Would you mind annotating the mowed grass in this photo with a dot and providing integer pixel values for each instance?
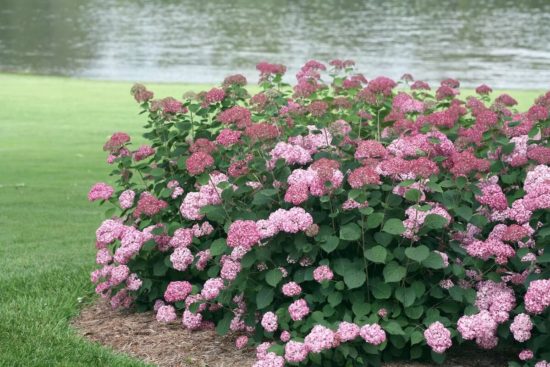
(51, 134)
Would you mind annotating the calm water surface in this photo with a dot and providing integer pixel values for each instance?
(502, 43)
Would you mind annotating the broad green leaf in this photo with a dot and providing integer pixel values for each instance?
(394, 226)
(361, 308)
(375, 219)
(376, 254)
(380, 290)
(350, 232)
(393, 272)
(434, 221)
(264, 297)
(273, 277)
(355, 277)
(330, 243)
(218, 247)
(393, 328)
(434, 261)
(418, 253)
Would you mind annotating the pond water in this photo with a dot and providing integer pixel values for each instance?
(499, 42)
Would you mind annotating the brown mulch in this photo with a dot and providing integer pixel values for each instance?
(169, 345)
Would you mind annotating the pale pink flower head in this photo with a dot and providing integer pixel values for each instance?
(320, 338)
(100, 191)
(438, 337)
(126, 199)
(296, 352)
(269, 322)
(241, 342)
(166, 314)
(322, 273)
(347, 331)
(298, 309)
(243, 233)
(177, 291)
(291, 289)
(373, 334)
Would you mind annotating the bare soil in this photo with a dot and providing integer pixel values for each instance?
(169, 345)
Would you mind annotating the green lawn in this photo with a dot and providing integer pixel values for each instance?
(51, 134)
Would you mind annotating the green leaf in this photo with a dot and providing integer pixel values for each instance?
(393, 272)
(159, 269)
(273, 277)
(416, 337)
(375, 219)
(464, 212)
(350, 232)
(434, 261)
(405, 295)
(330, 243)
(414, 312)
(393, 328)
(361, 308)
(264, 297)
(418, 254)
(376, 254)
(413, 195)
(544, 258)
(355, 277)
(335, 298)
(223, 325)
(218, 247)
(434, 221)
(394, 226)
(380, 290)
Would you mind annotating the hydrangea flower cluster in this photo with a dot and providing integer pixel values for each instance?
(337, 220)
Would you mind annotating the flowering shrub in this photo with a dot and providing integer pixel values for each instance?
(339, 221)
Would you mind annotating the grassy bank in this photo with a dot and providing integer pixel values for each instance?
(51, 133)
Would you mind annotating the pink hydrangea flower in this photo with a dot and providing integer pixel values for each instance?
(126, 199)
(243, 233)
(166, 314)
(438, 337)
(298, 309)
(191, 321)
(291, 289)
(241, 342)
(181, 258)
(373, 334)
(322, 273)
(177, 291)
(319, 338)
(537, 298)
(211, 288)
(100, 191)
(347, 331)
(269, 322)
(296, 352)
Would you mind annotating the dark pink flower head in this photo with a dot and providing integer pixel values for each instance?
(240, 116)
(243, 233)
(444, 92)
(228, 137)
(213, 96)
(140, 93)
(370, 149)
(198, 162)
(341, 64)
(171, 106)
(177, 291)
(537, 113)
(407, 77)
(149, 205)
(236, 79)
(506, 100)
(539, 154)
(262, 131)
(100, 191)
(143, 152)
(420, 85)
(483, 89)
(451, 83)
(381, 85)
(116, 142)
(317, 108)
(266, 69)
(202, 145)
(315, 65)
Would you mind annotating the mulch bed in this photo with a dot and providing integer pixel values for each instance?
(169, 345)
